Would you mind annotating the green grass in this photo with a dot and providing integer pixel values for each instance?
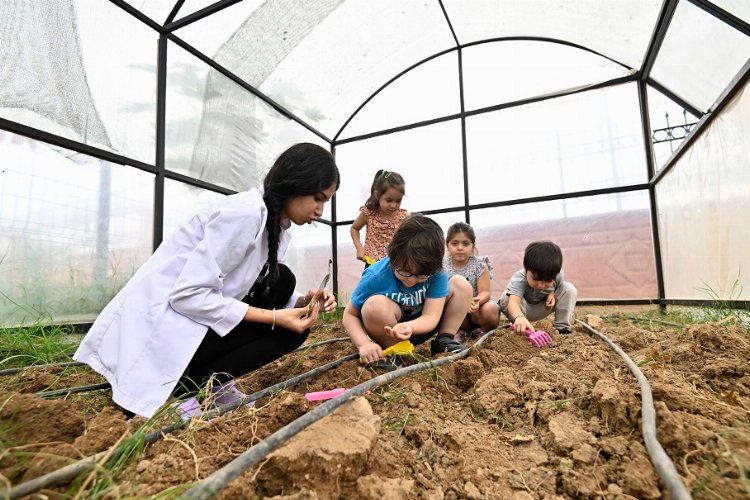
(722, 304)
(389, 393)
(33, 345)
(332, 317)
(398, 424)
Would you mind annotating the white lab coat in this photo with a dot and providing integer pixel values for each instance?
(145, 337)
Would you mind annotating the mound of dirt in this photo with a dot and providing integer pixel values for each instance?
(507, 421)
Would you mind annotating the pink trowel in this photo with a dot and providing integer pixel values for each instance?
(323, 395)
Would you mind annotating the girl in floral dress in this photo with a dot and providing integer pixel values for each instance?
(382, 214)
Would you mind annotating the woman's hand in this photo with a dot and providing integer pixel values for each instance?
(549, 304)
(296, 319)
(327, 302)
(370, 352)
(400, 331)
(325, 299)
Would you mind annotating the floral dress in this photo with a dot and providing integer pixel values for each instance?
(380, 231)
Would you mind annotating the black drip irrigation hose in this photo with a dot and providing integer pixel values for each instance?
(70, 471)
(73, 390)
(220, 478)
(12, 371)
(317, 344)
(662, 463)
(105, 385)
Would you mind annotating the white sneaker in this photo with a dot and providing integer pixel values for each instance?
(227, 393)
(188, 409)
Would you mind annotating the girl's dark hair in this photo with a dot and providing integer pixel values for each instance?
(380, 184)
(303, 169)
(461, 227)
(544, 259)
(418, 241)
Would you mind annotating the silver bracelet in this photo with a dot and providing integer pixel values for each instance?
(273, 325)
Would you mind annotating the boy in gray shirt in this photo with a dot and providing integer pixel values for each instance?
(539, 289)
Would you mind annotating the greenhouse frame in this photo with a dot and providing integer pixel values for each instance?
(618, 129)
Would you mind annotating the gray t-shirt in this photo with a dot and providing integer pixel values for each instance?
(518, 285)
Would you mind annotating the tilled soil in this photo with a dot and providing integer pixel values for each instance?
(507, 421)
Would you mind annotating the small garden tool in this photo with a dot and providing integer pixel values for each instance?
(319, 292)
(538, 338)
(403, 347)
(323, 395)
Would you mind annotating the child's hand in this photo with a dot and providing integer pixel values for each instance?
(521, 325)
(296, 319)
(401, 331)
(370, 352)
(361, 254)
(474, 305)
(549, 304)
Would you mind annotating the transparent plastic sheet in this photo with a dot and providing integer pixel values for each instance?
(48, 90)
(702, 207)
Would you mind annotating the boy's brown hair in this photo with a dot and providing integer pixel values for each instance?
(418, 243)
(544, 259)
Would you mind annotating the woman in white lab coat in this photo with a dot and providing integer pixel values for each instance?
(215, 300)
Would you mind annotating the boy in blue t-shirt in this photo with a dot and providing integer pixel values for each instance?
(407, 295)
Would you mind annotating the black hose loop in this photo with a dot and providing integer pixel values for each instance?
(220, 478)
(662, 463)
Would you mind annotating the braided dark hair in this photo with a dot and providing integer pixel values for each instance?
(303, 169)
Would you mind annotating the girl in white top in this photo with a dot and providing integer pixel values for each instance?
(482, 314)
(215, 300)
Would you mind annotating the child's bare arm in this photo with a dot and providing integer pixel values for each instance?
(430, 317)
(520, 323)
(357, 225)
(483, 287)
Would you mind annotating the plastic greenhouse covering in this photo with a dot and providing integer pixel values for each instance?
(618, 129)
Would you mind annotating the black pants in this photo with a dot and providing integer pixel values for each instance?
(248, 346)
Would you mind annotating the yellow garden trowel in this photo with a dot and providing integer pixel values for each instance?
(403, 347)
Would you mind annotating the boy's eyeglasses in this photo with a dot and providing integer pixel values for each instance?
(407, 274)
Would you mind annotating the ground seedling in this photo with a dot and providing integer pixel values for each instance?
(397, 425)
(389, 393)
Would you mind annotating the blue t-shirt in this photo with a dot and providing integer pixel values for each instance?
(378, 279)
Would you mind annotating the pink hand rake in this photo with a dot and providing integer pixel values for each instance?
(538, 338)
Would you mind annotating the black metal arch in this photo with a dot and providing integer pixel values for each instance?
(641, 75)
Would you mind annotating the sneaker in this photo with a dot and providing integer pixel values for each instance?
(228, 393)
(460, 337)
(390, 363)
(445, 342)
(188, 409)
(564, 331)
(475, 333)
